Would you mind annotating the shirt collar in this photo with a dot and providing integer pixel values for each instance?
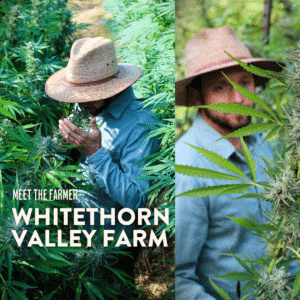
(117, 107)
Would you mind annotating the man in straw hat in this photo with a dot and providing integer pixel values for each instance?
(111, 155)
(204, 233)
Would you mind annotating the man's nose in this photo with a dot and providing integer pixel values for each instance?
(240, 99)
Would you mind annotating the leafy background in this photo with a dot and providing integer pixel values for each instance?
(36, 36)
(245, 18)
(277, 113)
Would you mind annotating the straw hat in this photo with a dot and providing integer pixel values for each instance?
(205, 52)
(93, 73)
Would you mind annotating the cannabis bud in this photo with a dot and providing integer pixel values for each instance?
(273, 286)
(80, 117)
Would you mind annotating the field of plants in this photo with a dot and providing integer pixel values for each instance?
(276, 113)
(36, 36)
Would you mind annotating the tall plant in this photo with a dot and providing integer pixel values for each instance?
(268, 277)
(146, 31)
(36, 36)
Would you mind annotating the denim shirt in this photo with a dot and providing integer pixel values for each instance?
(114, 168)
(204, 233)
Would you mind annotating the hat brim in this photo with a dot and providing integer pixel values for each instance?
(57, 87)
(181, 97)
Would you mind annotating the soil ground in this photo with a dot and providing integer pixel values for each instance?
(154, 268)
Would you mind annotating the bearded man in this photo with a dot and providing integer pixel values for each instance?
(113, 148)
(204, 233)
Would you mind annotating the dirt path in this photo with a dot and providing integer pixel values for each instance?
(91, 13)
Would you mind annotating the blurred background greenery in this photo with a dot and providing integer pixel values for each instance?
(245, 18)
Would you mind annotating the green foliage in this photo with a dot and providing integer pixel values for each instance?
(36, 36)
(146, 31)
(245, 18)
(146, 35)
(269, 276)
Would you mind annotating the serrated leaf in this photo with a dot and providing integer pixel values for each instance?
(22, 284)
(205, 173)
(94, 289)
(2, 255)
(209, 191)
(232, 108)
(250, 161)
(235, 189)
(249, 196)
(248, 286)
(272, 133)
(72, 250)
(219, 161)
(49, 296)
(9, 264)
(276, 88)
(43, 267)
(248, 130)
(78, 291)
(54, 180)
(25, 270)
(252, 97)
(278, 106)
(241, 262)
(244, 222)
(296, 286)
(120, 274)
(19, 294)
(252, 226)
(8, 102)
(6, 113)
(220, 291)
(4, 294)
(91, 295)
(236, 276)
(252, 69)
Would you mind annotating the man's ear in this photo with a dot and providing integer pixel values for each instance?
(194, 96)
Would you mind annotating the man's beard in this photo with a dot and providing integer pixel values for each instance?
(94, 112)
(224, 122)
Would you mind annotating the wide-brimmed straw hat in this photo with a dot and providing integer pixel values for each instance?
(93, 73)
(205, 53)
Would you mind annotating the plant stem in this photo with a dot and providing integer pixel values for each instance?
(278, 248)
(259, 186)
(293, 250)
(252, 294)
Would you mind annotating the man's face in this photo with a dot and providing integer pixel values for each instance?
(215, 88)
(96, 107)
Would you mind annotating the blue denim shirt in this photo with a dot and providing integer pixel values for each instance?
(203, 231)
(114, 168)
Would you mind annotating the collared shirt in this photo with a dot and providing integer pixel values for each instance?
(204, 233)
(114, 169)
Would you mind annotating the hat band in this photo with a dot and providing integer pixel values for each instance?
(217, 63)
(94, 82)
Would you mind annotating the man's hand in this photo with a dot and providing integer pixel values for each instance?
(88, 142)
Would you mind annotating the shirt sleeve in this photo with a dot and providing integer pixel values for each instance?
(122, 183)
(192, 221)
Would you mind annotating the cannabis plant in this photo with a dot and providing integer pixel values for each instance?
(146, 31)
(268, 277)
(152, 49)
(36, 36)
